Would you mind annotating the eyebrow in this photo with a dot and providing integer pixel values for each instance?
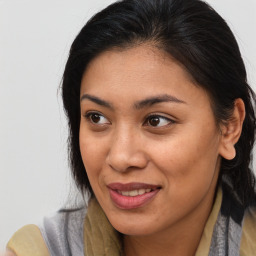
(139, 104)
(96, 100)
(157, 99)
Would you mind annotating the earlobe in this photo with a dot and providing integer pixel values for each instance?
(228, 151)
(231, 131)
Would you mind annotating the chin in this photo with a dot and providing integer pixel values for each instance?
(131, 227)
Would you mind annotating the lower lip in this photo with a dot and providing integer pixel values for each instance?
(132, 202)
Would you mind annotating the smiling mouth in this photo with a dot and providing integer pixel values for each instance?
(132, 195)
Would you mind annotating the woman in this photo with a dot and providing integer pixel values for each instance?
(162, 127)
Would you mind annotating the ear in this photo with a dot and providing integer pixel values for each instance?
(231, 131)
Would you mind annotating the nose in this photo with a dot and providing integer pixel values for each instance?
(126, 151)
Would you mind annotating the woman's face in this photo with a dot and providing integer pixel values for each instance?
(149, 141)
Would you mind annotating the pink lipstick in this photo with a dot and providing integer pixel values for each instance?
(132, 195)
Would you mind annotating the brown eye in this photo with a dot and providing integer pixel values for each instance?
(95, 118)
(158, 121)
(154, 121)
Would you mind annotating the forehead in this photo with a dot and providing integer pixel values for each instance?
(140, 71)
(142, 58)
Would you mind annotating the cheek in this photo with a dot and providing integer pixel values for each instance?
(190, 167)
(189, 155)
(92, 156)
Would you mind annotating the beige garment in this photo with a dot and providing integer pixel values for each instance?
(204, 245)
(28, 241)
(101, 239)
(248, 242)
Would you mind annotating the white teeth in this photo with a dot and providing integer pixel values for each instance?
(141, 191)
(125, 193)
(134, 192)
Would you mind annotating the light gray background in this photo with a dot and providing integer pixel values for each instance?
(35, 37)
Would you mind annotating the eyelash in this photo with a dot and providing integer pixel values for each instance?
(169, 121)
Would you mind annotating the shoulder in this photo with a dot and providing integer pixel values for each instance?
(248, 242)
(59, 234)
(28, 241)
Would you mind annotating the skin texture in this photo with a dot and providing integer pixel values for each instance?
(180, 152)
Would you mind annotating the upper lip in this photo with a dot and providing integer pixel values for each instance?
(131, 186)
